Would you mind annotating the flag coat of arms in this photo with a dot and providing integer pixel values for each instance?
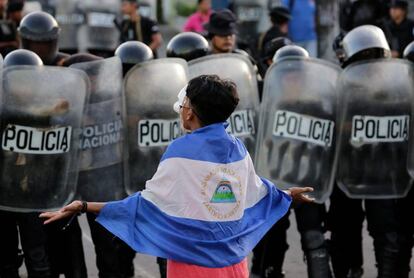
(205, 205)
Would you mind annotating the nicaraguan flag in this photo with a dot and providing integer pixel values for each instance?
(205, 204)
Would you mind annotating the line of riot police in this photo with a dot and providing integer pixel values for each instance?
(317, 126)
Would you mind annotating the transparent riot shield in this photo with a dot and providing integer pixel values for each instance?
(102, 165)
(70, 18)
(41, 113)
(151, 90)
(243, 122)
(99, 31)
(375, 115)
(296, 134)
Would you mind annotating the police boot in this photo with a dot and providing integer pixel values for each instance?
(316, 254)
(404, 256)
(386, 252)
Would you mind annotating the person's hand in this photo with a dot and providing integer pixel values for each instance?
(69, 210)
(298, 194)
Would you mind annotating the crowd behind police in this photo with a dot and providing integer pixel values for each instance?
(51, 251)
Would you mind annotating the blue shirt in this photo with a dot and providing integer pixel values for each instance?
(302, 25)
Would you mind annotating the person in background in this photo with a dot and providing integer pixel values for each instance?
(398, 28)
(195, 23)
(269, 50)
(279, 16)
(302, 26)
(15, 11)
(354, 13)
(9, 39)
(3, 8)
(222, 32)
(135, 27)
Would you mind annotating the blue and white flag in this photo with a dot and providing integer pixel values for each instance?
(205, 204)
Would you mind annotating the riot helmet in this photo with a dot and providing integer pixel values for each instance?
(39, 26)
(188, 46)
(22, 57)
(132, 53)
(40, 32)
(274, 45)
(288, 51)
(363, 43)
(409, 52)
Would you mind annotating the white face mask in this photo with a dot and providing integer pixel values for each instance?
(180, 101)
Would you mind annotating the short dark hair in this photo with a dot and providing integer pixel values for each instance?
(213, 99)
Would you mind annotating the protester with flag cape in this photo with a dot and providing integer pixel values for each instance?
(205, 208)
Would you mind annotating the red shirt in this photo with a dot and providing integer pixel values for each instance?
(179, 270)
(195, 22)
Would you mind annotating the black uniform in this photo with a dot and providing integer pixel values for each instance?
(8, 37)
(272, 33)
(142, 30)
(398, 36)
(361, 12)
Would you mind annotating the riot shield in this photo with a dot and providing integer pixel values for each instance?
(236, 67)
(41, 113)
(151, 90)
(99, 31)
(375, 98)
(70, 18)
(102, 152)
(295, 143)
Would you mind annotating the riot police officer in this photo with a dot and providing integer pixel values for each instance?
(101, 165)
(39, 32)
(188, 46)
(132, 53)
(290, 159)
(362, 171)
(398, 29)
(31, 230)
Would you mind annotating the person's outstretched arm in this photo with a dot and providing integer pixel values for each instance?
(71, 209)
(298, 194)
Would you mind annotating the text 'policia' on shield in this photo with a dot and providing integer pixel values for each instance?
(371, 129)
(304, 128)
(23, 139)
